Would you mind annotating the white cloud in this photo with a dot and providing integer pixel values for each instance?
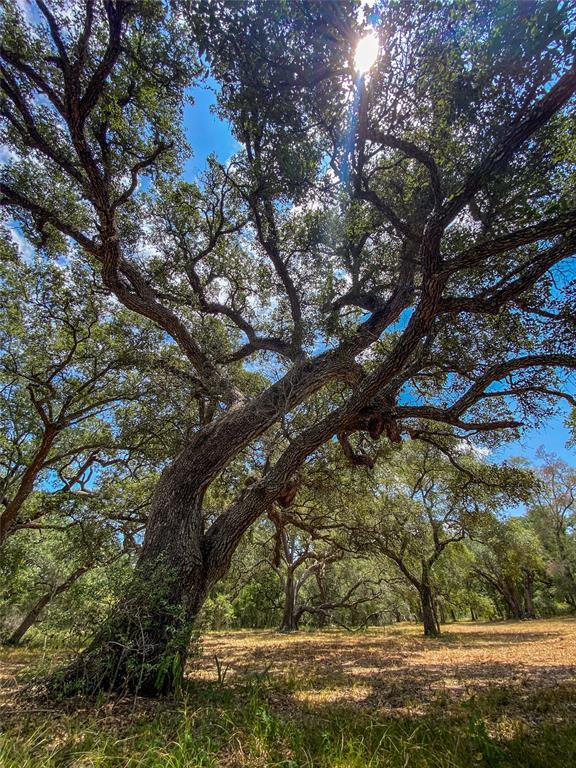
(467, 448)
(6, 154)
(25, 249)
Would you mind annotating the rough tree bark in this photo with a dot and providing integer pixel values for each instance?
(290, 616)
(143, 645)
(429, 620)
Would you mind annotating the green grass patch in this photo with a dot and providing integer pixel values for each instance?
(255, 723)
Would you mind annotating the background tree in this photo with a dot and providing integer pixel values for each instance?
(425, 229)
(455, 595)
(510, 561)
(75, 403)
(296, 557)
(41, 566)
(425, 501)
(303, 554)
(553, 517)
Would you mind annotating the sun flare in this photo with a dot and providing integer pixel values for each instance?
(366, 53)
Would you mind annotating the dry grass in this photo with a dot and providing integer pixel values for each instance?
(399, 670)
(492, 695)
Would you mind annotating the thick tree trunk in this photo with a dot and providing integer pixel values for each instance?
(513, 602)
(35, 612)
(529, 610)
(290, 615)
(143, 645)
(429, 621)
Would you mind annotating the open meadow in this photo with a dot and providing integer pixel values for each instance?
(494, 695)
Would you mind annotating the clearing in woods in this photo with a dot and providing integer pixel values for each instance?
(483, 694)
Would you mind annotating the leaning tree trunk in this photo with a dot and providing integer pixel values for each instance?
(29, 620)
(35, 612)
(429, 621)
(290, 616)
(143, 645)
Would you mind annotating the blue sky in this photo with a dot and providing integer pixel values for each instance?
(553, 437)
(205, 131)
(208, 134)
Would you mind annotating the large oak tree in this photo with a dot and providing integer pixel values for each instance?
(388, 249)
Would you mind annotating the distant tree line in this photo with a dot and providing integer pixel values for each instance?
(422, 538)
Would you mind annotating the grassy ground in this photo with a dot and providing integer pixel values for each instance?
(497, 695)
